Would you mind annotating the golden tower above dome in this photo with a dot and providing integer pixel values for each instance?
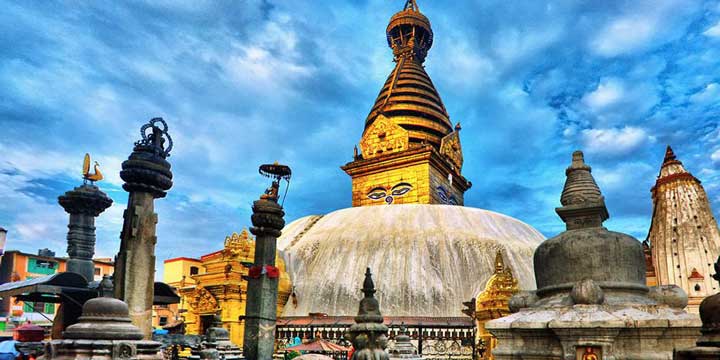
(410, 152)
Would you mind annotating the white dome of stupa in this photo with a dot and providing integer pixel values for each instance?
(425, 259)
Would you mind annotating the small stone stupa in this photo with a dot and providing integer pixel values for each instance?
(368, 335)
(219, 337)
(708, 345)
(591, 300)
(404, 348)
(103, 332)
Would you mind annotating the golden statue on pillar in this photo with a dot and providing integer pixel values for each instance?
(96, 176)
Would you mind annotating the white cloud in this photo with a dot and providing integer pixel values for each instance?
(624, 35)
(616, 101)
(715, 157)
(711, 93)
(614, 141)
(640, 26)
(513, 44)
(713, 31)
(608, 92)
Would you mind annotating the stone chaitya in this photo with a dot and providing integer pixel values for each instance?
(368, 335)
(592, 301)
(683, 239)
(147, 177)
(403, 348)
(103, 332)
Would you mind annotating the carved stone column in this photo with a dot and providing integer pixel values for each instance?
(261, 308)
(83, 203)
(147, 177)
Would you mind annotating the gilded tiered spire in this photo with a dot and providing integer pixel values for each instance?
(410, 152)
(409, 97)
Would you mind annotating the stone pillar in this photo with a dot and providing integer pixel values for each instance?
(83, 203)
(261, 307)
(147, 177)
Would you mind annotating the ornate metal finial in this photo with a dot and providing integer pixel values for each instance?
(409, 34)
(276, 172)
(583, 203)
(92, 177)
(411, 5)
(156, 138)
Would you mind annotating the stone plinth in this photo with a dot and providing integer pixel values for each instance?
(592, 302)
(83, 203)
(147, 176)
(104, 332)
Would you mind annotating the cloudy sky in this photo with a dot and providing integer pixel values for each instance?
(246, 82)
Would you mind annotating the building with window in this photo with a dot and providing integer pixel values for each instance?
(17, 265)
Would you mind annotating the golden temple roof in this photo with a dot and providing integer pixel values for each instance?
(492, 303)
(409, 97)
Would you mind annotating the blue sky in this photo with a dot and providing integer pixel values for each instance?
(246, 82)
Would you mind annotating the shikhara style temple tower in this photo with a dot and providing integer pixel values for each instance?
(410, 152)
(683, 238)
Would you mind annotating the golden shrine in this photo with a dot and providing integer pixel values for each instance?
(214, 284)
(410, 152)
(492, 302)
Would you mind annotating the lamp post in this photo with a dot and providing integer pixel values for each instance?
(261, 308)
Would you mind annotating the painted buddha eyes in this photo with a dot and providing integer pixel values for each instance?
(377, 193)
(446, 197)
(401, 189)
(389, 195)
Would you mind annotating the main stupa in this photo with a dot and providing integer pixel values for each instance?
(408, 223)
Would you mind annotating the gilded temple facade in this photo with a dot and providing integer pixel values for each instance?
(493, 303)
(410, 152)
(683, 240)
(215, 284)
